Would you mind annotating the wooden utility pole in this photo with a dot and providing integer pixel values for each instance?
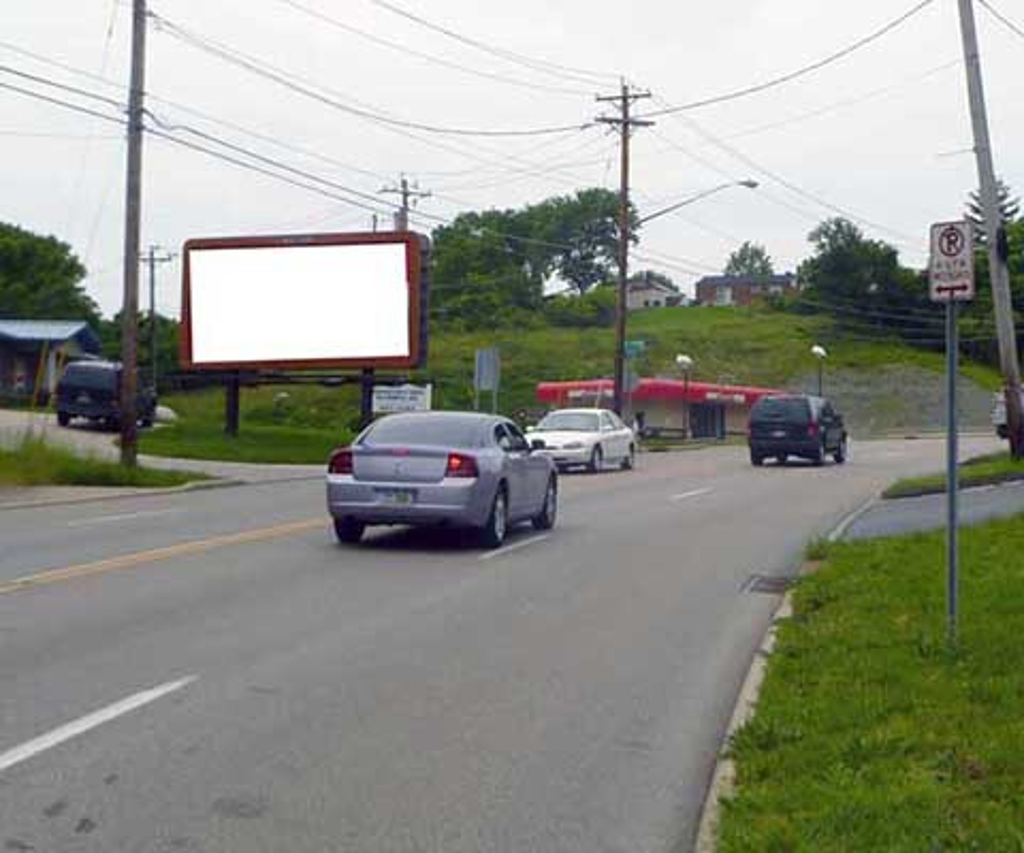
(408, 194)
(133, 211)
(625, 122)
(995, 234)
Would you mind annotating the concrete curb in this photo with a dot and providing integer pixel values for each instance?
(990, 483)
(70, 500)
(723, 779)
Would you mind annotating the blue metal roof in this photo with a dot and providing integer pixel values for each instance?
(51, 331)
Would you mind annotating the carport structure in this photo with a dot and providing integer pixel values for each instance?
(672, 407)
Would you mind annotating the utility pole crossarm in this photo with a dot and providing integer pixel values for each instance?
(408, 195)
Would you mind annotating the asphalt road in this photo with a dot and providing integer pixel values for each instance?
(210, 672)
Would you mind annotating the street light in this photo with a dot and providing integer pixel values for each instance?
(749, 184)
(685, 364)
(820, 353)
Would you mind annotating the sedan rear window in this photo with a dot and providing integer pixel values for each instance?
(788, 409)
(571, 422)
(426, 430)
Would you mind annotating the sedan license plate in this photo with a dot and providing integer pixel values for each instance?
(396, 497)
(779, 433)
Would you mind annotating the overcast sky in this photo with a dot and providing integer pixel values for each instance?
(880, 134)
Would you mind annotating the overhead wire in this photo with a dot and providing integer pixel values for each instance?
(999, 16)
(543, 66)
(789, 77)
(406, 50)
(277, 75)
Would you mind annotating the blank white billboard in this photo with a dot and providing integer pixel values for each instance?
(298, 303)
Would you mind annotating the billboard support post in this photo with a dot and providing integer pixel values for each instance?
(366, 398)
(232, 401)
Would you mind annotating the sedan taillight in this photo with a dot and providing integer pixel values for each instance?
(461, 467)
(340, 461)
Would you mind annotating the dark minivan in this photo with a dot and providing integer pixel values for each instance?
(92, 389)
(796, 425)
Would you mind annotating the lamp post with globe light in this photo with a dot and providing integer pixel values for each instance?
(820, 353)
(685, 364)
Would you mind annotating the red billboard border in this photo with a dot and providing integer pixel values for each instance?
(414, 280)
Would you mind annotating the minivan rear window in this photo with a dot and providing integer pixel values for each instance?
(91, 377)
(788, 409)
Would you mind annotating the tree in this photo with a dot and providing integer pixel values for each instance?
(1009, 209)
(654, 277)
(40, 278)
(860, 281)
(167, 332)
(750, 259)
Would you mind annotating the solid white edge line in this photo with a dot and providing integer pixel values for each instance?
(518, 546)
(90, 721)
(696, 493)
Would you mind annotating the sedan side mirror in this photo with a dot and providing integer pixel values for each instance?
(537, 444)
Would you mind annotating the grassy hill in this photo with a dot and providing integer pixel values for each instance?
(750, 346)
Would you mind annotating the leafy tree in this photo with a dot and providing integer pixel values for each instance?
(167, 334)
(1009, 209)
(654, 277)
(750, 259)
(40, 278)
(860, 281)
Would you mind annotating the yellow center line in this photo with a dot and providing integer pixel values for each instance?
(139, 558)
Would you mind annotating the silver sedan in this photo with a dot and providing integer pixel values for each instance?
(441, 468)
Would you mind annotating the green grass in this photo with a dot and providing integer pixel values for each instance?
(258, 444)
(981, 471)
(869, 734)
(34, 462)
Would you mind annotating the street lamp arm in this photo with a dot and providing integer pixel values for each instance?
(749, 184)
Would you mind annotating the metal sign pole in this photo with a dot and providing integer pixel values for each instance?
(952, 479)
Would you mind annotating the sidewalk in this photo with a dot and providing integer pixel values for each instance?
(915, 515)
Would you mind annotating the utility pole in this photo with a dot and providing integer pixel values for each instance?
(133, 211)
(1002, 304)
(152, 259)
(408, 193)
(625, 123)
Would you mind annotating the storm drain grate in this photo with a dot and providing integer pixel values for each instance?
(768, 584)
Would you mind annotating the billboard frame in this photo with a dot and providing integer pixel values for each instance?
(417, 266)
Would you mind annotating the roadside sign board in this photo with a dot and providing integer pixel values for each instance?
(951, 270)
(634, 349)
(402, 398)
(487, 375)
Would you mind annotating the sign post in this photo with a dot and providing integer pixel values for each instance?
(951, 277)
(487, 376)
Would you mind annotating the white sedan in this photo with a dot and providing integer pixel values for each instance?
(591, 438)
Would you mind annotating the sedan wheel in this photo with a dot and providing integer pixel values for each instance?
(494, 532)
(596, 460)
(545, 520)
(629, 462)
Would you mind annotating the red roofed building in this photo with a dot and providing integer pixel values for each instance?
(666, 406)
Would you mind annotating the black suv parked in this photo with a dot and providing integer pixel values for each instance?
(796, 425)
(92, 389)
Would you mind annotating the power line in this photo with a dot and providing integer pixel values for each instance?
(67, 104)
(580, 75)
(277, 75)
(43, 81)
(428, 57)
(800, 72)
(790, 185)
(999, 16)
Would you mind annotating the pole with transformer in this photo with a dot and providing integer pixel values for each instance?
(152, 259)
(133, 216)
(408, 193)
(625, 122)
(1002, 304)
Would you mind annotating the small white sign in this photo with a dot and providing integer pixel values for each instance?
(389, 399)
(951, 271)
